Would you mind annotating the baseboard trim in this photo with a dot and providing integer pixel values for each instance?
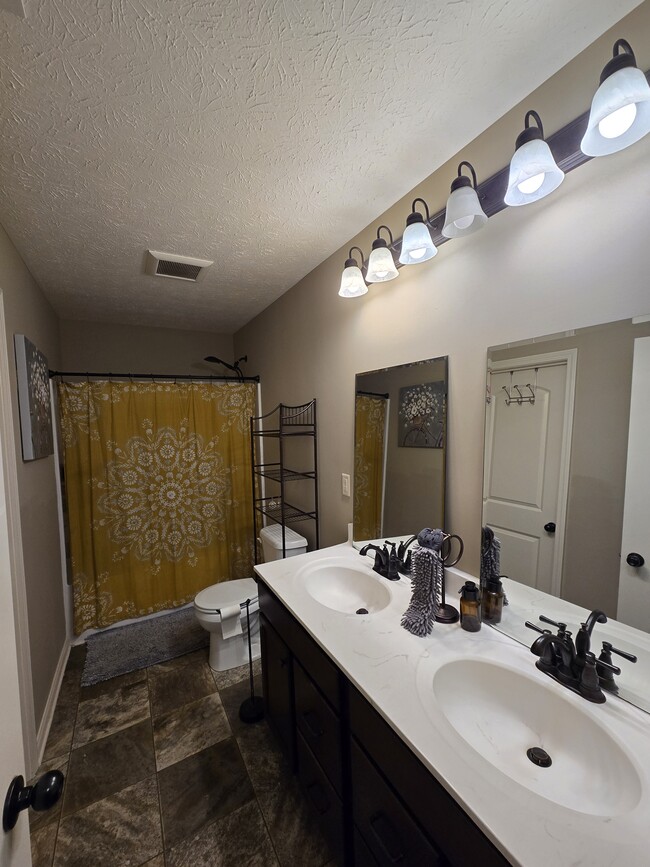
(50, 705)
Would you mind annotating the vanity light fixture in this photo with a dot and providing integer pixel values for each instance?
(464, 214)
(417, 244)
(352, 282)
(620, 116)
(620, 109)
(533, 171)
(381, 266)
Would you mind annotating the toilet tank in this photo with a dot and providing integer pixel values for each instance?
(271, 539)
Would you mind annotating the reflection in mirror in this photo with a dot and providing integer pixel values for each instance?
(399, 449)
(566, 474)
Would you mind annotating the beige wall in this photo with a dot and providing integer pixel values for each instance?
(27, 312)
(601, 418)
(104, 348)
(577, 258)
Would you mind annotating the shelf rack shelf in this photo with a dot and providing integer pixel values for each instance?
(278, 473)
(283, 423)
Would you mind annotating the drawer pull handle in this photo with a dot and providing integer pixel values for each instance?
(318, 798)
(387, 837)
(312, 722)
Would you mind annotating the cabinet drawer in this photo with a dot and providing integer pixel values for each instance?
(450, 828)
(384, 823)
(363, 857)
(277, 681)
(315, 661)
(319, 726)
(274, 611)
(322, 798)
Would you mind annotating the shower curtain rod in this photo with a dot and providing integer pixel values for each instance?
(85, 375)
(373, 394)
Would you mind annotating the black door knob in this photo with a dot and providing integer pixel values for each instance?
(550, 527)
(44, 794)
(635, 560)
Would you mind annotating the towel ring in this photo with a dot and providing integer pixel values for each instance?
(447, 540)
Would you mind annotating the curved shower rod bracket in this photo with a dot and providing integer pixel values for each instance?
(235, 366)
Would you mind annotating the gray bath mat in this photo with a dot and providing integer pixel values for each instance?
(138, 645)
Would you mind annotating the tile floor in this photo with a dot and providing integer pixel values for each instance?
(161, 772)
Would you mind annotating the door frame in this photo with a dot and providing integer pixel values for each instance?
(9, 458)
(568, 357)
(385, 462)
(632, 579)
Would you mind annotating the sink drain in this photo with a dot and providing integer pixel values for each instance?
(361, 611)
(540, 757)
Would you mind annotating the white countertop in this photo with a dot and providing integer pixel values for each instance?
(385, 663)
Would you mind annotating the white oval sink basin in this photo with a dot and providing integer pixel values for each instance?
(501, 713)
(344, 588)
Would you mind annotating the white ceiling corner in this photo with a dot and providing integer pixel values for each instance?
(261, 134)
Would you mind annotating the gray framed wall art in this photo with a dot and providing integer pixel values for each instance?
(33, 374)
(422, 415)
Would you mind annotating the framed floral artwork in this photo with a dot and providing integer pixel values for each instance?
(422, 416)
(33, 375)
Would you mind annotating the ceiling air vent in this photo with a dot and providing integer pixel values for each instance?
(176, 267)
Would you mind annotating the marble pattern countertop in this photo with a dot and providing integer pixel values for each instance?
(386, 664)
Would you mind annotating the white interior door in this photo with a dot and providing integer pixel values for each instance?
(526, 470)
(634, 582)
(14, 846)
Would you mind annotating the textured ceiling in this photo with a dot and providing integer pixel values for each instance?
(262, 134)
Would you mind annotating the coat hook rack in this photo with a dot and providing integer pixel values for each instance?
(520, 397)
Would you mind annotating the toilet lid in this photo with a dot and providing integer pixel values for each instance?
(227, 593)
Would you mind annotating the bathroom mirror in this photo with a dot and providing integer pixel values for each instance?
(400, 449)
(566, 486)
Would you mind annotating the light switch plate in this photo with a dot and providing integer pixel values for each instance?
(345, 484)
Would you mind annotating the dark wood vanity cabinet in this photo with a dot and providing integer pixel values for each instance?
(377, 803)
(319, 726)
(384, 824)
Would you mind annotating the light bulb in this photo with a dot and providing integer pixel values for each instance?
(464, 222)
(534, 173)
(618, 122)
(620, 109)
(531, 185)
(417, 244)
(381, 265)
(352, 282)
(464, 214)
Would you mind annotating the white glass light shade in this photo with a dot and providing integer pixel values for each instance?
(417, 245)
(352, 283)
(381, 266)
(620, 113)
(464, 214)
(532, 159)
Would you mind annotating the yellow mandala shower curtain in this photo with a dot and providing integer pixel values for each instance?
(369, 436)
(159, 493)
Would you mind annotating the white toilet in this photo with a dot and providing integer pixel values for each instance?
(221, 608)
(271, 539)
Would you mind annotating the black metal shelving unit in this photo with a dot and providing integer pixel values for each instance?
(283, 423)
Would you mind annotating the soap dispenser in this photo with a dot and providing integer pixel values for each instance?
(492, 600)
(470, 607)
